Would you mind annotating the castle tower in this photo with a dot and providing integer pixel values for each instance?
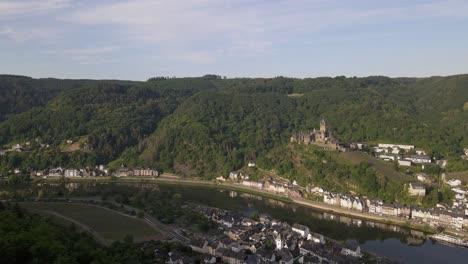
(279, 242)
(323, 126)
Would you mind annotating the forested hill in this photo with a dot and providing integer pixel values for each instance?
(209, 126)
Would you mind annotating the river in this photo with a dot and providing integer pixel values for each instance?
(398, 243)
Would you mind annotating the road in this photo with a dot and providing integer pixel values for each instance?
(172, 178)
(317, 205)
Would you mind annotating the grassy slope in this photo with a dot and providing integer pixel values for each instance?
(110, 225)
(461, 175)
(382, 168)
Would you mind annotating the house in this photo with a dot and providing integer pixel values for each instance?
(70, 173)
(402, 211)
(233, 175)
(104, 169)
(285, 256)
(245, 176)
(387, 157)
(57, 172)
(86, 172)
(123, 172)
(17, 148)
(358, 205)
(420, 152)
(420, 214)
(278, 242)
(389, 209)
(175, 258)
(220, 178)
(266, 255)
(346, 202)
(415, 158)
(251, 164)
(145, 172)
(404, 147)
(316, 238)
(300, 229)
(379, 150)
(277, 188)
(416, 189)
(352, 249)
(454, 182)
(422, 177)
(404, 162)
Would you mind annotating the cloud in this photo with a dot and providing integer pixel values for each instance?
(199, 57)
(175, 22)
(12, 9)
(87, 55)
(27, 34)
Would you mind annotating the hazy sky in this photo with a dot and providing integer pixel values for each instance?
(244, 38)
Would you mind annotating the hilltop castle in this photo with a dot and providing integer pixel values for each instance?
(322, 137)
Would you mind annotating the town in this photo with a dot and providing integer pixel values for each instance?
(451, 217)
(267, 240)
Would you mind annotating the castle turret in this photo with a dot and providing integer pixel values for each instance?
(323, 126)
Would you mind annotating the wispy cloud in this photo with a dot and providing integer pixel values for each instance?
(9, 9)
(213, 33)
(244, 27)
(87, 55)
(21, 34)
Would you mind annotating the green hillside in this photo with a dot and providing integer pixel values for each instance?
(209, 126)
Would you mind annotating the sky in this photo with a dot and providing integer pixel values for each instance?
(139, 39)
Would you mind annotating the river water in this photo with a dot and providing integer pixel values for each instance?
(398, 243)
(394, 242)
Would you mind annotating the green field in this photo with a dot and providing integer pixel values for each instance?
(107, 224)
(382, 167)
(461, 175)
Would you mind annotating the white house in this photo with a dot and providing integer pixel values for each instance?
(454, 182)
(405, 147)
(420, 152)
(416, 189)
(404, 162)
(379, 150)
(251, 164)
(69, 173)
(234, 175)
(352, 250)
(300, 229)
(346, 202)
(220, 178)
(419, 158)
(388, 156)
(317, 238)
(278, 242)
(358, 205)
(422, 177)
(57, 172)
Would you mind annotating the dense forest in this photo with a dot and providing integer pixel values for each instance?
(209, 126)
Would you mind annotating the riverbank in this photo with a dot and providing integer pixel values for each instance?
(174, 180)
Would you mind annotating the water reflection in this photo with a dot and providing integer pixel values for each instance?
(392, 241)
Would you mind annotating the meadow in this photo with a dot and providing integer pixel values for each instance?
(105, 223)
